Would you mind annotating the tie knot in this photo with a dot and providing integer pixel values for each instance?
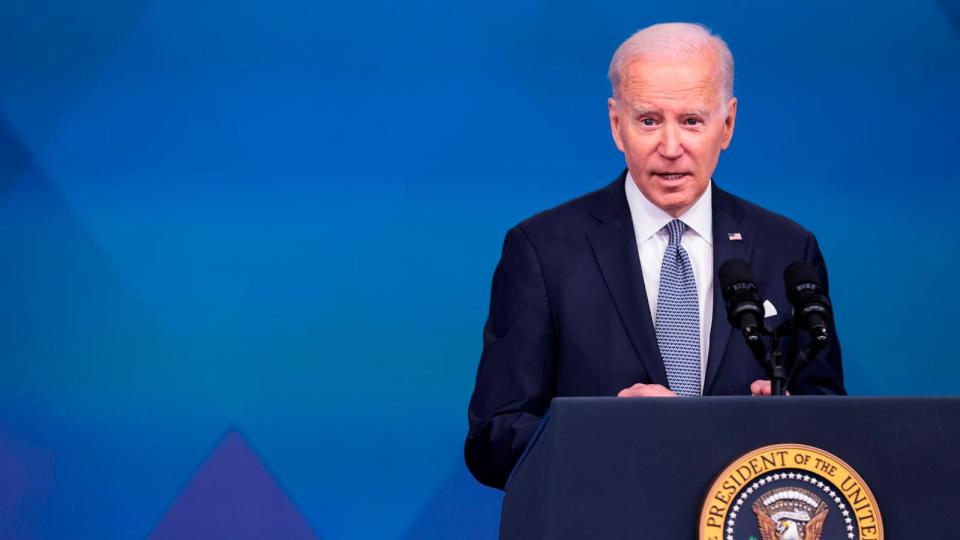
(675, 228)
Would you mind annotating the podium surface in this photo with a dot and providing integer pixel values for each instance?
(641, 468)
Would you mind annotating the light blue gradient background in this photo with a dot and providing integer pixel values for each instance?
(283, 217)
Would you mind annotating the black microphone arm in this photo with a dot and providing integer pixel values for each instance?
(811, 306)
(812, 310)
(744, 304)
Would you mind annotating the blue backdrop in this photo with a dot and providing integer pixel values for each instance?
(270, 227)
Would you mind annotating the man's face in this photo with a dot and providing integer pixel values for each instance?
(668, 121)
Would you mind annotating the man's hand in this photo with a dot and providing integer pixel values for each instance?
(646, 390)
(761, 387)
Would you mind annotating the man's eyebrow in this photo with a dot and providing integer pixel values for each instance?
(641, 110)
(703, 113)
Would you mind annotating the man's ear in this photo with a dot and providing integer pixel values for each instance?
(728, 123)
(614, 122)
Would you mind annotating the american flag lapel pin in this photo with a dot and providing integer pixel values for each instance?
(734, 236)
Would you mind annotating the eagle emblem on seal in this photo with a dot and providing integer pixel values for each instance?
(790, 513)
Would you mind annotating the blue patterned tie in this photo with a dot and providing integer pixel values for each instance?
(678, 316)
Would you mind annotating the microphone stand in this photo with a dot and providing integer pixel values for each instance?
(774, 361)
(778, 368)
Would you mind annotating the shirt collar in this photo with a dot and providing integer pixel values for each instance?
(648, 218)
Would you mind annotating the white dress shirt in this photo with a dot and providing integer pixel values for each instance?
(652, 239)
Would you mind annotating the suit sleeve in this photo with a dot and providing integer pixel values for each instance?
(825, 374)
(515, 378)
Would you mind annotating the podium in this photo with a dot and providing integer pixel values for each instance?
(611, 468)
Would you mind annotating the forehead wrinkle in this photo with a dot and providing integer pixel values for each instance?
(637, 82)
(640, 84)
(638, 87)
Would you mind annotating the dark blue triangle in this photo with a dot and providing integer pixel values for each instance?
(233, 497)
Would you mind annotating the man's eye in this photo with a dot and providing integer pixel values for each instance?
(648, 122)
(692, 121)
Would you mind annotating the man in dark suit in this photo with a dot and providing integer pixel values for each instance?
(613, 294)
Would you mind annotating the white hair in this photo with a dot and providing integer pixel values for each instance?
(670, 41)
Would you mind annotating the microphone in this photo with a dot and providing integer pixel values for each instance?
(811, 306)
(742, 298)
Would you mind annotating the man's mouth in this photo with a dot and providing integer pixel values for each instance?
(671, 175)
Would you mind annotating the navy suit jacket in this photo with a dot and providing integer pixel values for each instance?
(569, 317)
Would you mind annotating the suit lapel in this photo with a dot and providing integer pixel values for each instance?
(729, 217)
(615, 248)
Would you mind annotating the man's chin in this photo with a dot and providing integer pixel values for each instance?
(674, 203)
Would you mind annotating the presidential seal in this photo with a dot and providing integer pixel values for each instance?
(789, 492)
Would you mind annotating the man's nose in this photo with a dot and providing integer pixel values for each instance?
(670, 145)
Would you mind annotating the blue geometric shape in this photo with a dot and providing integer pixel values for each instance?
(952, 10)
(14, 157)
(461, 508)
(74, 39)
(233, 497)
(27, 478)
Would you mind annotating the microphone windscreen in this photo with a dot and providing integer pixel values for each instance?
(800, 272)
(734, 271)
